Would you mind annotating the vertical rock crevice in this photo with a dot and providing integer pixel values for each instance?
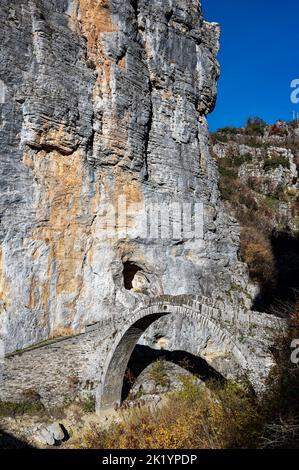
(134, 4)
(147, 136)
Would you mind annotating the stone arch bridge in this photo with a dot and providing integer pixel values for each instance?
(94, 362)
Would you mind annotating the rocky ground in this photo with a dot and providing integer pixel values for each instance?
(64, 427)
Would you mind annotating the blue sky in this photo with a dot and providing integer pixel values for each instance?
(259, 58)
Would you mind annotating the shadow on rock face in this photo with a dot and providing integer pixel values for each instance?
(285, 248)
(7, 441)
(143, 356)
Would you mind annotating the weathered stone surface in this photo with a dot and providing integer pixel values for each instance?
(49, 435)
(236, 343)
(56, 430)
(102, 99)
(269, 167)
(44, 436)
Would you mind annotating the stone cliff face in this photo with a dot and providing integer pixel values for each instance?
(259, 182)
(102, 99)
(267, 164)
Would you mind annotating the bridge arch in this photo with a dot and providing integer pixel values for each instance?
(109, 391)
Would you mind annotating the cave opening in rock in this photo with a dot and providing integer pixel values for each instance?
(129, 272)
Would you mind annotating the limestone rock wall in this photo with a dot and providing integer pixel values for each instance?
(266, 163)
(102, 99)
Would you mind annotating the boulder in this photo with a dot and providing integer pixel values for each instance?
(50, 435)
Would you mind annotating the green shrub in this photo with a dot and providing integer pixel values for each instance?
(88, 404)
(158, 373)
(254, 142)
(271, 163)
(224, 135)
(245, 158)
(227, 170)
(271, 203)
(255, 126)
(12, 409)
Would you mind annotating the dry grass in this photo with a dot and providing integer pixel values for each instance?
(257, 253)
(192, 418)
